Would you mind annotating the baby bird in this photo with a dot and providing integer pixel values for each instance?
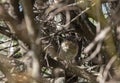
(68, 51)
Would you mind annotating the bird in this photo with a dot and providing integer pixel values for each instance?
(68, 51)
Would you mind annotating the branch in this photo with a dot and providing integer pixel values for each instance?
(14, 10)
(16, 76)
(109, 42)
(16, 27)
(35, 51)
(6, 33)
(30, 24)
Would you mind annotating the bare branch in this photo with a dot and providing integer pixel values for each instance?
(30, 24)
